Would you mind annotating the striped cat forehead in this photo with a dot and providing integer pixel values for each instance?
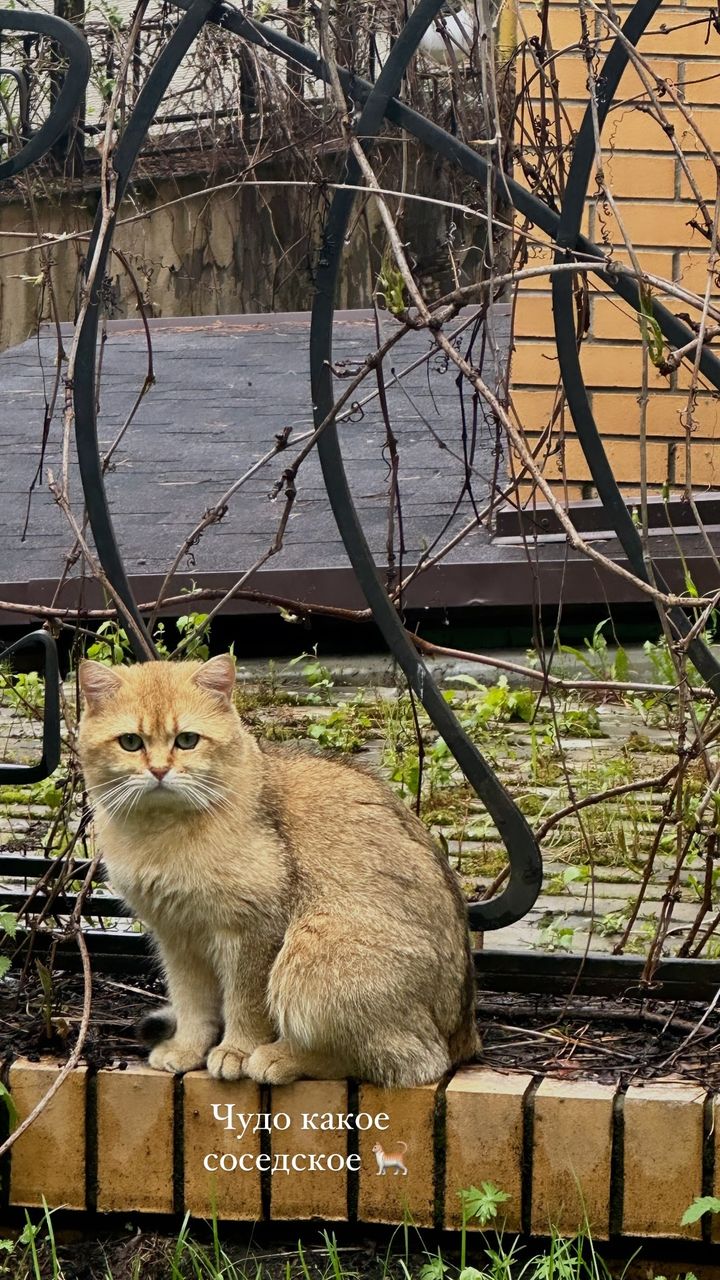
(161, 725)
(162, 720)
(160, 689)
(153, 724)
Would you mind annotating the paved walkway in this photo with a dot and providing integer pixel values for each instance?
(613, 840)
(225, 388)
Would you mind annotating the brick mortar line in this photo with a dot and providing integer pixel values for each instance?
(91, 1139)
(440, 1151)
(617, 1164)
(266, 1150)
(528, 1144)
(178, 1144)
(708, 1162)
(353, 1148)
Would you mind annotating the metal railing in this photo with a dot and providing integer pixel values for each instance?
(215, 84)
(378, 102)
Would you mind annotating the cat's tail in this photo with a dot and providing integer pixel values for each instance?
(156, 1026)
(402, 1144)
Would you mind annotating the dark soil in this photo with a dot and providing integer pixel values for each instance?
(610, 1040)
(602, 1039)
(98, 1249)
(127, 1252)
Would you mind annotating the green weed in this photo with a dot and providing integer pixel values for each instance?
(601, 662)
(24, 691)
(490, 1253)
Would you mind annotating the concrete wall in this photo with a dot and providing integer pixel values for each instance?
(249, 249)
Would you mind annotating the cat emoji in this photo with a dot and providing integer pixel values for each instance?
(391, 1159)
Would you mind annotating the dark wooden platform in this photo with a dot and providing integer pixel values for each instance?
(224, 388)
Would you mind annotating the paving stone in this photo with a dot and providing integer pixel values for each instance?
(393, 1196)
(48, 1160)
(572, 1148)
(484, 1139)
(135, 1140)
(663, 1143)
(613, 885)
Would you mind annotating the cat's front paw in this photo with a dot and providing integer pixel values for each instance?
(274, 1064)
(228, 1061)
(177, 1056)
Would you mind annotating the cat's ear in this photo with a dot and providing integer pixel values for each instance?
(218, 676)
(97, 682)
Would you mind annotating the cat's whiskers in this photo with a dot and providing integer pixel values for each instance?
(108, 786)
(196, 790)
(121, 804)
(203, 793)
(196, 797)
(135, 799)
(114, 799)
(124, 795)
(107, 792)
(217, 791)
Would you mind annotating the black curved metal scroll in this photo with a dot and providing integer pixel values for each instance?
(525, 860)
(84, 396)
(20, 774)
(75, 46)
(381, 103)
(73, 87)
(569, 358)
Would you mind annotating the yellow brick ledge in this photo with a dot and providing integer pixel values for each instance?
(128, 1139)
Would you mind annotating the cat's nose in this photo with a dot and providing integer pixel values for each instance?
(159, 773)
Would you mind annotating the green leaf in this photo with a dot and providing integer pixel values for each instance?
(4, 965)
(574, 873)
(433, 1270)
(7, 1100)
(649, 328)
(482, 1203)
(475, 684)
(8, 922)
(29, 1232)
(572, 652)
(391, 287)
(699, 1206)
(523, 704)
(46, 981)
(622, 665)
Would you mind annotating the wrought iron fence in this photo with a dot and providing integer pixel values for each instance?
(375, 103)
(218, 86)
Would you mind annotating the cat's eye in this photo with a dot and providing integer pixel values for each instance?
(186, 741)
(130, 741)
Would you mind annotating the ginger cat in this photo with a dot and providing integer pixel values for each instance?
(391, 1159)
(306, 922)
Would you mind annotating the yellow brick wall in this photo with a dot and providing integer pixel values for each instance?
(655, 205)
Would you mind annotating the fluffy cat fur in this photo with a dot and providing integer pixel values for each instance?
(306, 922)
